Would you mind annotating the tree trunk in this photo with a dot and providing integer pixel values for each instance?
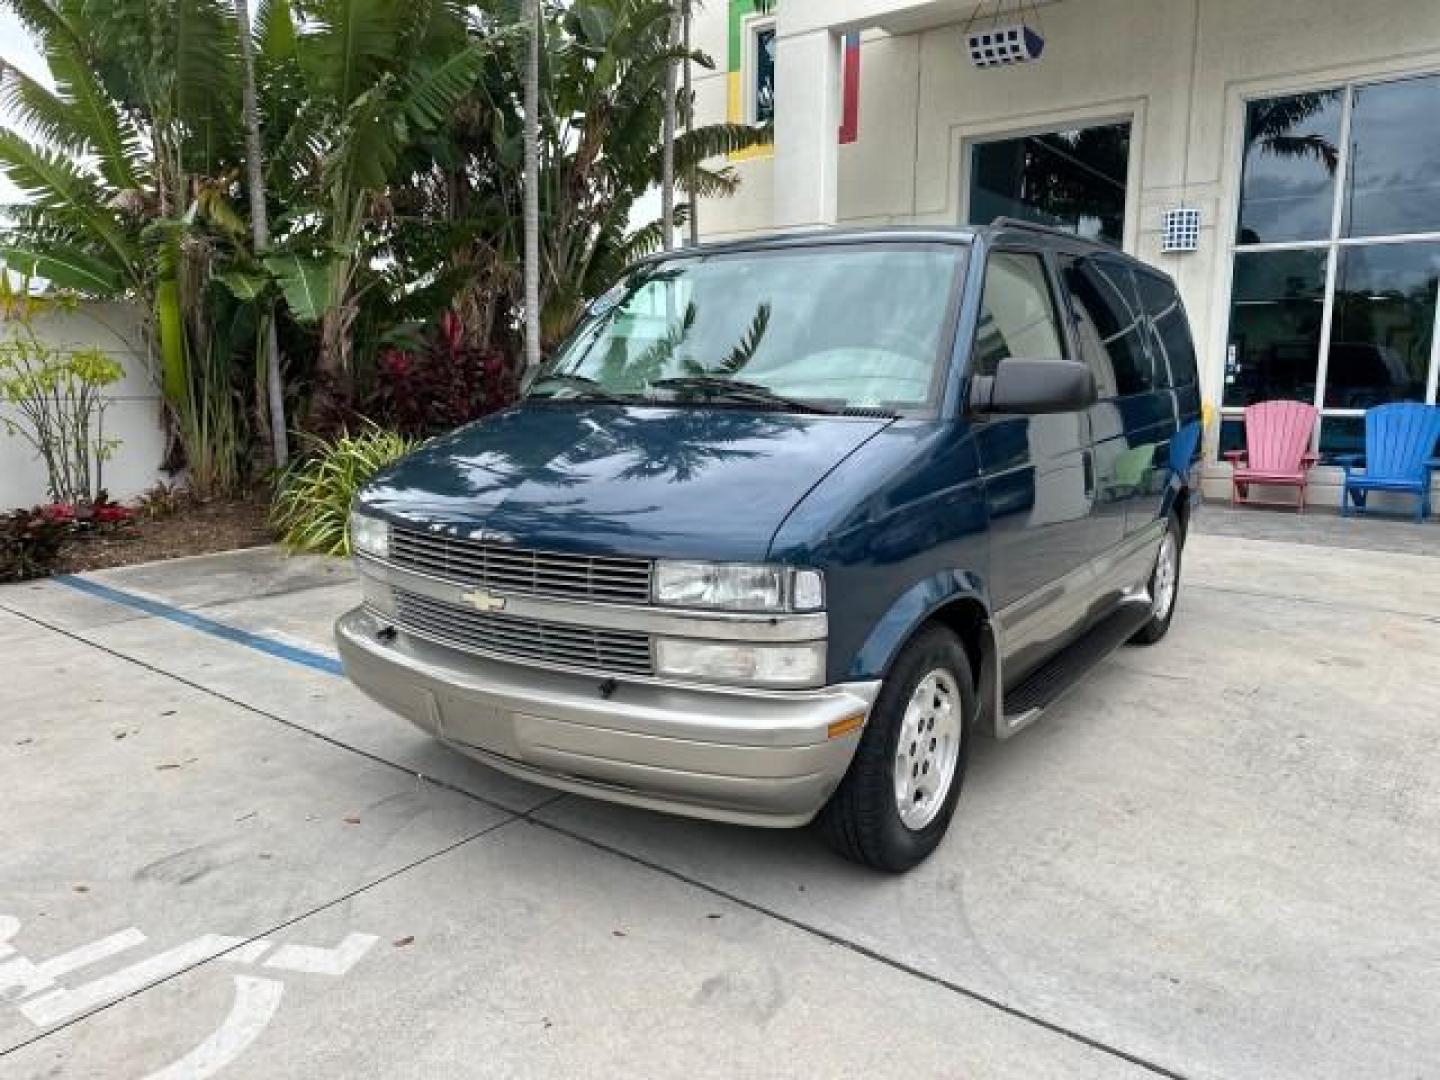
(170, 333)
(532, 192)
(667, 139)
(694, 223)
(260, 233)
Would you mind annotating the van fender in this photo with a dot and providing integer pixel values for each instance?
(911, 610)
(908, 613)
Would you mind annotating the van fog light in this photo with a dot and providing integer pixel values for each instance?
(761, 665)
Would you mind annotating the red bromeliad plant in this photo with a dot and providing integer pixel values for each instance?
(30, 543)
(101, 511)
(449, 383)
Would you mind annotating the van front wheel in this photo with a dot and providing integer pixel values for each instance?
(896, 800)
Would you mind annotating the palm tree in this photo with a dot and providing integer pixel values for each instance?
(260, 235)
(380, 75)
(419, 161)
(667, 140)
(600, 148)
(532, 189)
(120, 162)
(693, 221)
(603, 147)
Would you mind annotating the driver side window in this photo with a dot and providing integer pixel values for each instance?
(1017, 313)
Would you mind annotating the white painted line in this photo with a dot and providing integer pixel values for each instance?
(315, 961)
(92, 953)
(22, 978)
(248, 953)
(255, 1003)
(62, 1004)
(9, 927)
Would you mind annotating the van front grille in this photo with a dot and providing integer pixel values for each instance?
(521, 571)
(620, 651)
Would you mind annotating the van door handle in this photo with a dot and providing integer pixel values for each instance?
(1089, 459)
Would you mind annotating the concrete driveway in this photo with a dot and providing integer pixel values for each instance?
(1218, 858)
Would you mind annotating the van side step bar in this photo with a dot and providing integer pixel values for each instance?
(1027, 701)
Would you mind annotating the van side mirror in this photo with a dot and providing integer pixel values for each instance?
(1034, 386)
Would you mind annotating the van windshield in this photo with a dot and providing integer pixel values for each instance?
(825, 328)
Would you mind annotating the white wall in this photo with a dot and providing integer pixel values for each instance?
(132, 415)
(1179, 69)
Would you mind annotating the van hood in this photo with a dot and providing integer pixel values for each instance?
(711, 483)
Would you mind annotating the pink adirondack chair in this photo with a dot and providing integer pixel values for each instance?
(1277, 450)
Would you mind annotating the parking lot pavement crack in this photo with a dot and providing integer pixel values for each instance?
(247, 943)
(894, 963)
(1339, 605)
(266, 594)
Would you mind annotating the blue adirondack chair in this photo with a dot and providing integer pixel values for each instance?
(1399, 455)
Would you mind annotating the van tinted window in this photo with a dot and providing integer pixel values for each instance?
(1110, 324)
(1017, 313)
(1170, 340)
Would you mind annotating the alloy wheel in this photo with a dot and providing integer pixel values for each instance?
(928, 749)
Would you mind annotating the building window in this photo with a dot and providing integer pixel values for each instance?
(1073, 179)
(1336, 256)
(762, 73)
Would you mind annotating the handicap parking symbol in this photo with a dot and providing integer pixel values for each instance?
(45, 994)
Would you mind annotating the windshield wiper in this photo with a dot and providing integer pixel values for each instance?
(587, 387)
(737, 390)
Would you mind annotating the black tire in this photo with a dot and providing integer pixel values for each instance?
(1159, 624)
(862, 820)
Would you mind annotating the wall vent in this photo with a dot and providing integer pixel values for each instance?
(1181, 230)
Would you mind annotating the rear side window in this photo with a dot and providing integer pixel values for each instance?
(1110, 324)
(1170, 340)
(1017, 313)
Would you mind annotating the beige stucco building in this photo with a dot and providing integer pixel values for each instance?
(1306, 133)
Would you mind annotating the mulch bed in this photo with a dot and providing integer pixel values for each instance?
(194, 529)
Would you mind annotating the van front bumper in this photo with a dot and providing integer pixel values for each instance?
(752, 757)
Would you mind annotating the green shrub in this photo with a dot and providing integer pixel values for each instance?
(161, 501)
(312, 507)
(56, 405)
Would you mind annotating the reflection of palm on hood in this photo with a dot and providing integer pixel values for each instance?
(710, 483)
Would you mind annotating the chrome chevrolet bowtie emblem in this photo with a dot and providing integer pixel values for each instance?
(484, 600)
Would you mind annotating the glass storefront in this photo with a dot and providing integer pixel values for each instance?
(1336, 255)
(1072, 179)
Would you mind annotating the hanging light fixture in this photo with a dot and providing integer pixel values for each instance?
(1002, 45)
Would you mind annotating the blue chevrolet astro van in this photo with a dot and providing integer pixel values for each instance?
(789, 522)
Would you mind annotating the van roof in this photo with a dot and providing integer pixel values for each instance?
(1000, 229)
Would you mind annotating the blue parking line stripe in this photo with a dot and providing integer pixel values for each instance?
(259, 642)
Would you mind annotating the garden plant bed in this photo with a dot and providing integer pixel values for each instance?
(195, 528)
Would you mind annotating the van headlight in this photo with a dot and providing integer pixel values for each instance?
(752, 665)
(369, 535)
(738, 586)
